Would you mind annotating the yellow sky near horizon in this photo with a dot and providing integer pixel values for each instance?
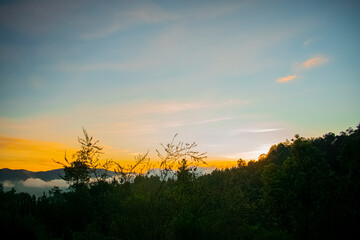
(32, 155)
(17, 153)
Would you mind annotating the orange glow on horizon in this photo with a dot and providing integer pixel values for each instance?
(32, 155)
(17, 153)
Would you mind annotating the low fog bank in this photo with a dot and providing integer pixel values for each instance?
(38, 186)
(34, 186)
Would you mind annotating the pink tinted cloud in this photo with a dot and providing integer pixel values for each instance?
(286, 79)
(315, 61)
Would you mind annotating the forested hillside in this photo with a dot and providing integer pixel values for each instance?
(302, 189)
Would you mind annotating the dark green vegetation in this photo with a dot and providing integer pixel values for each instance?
(302, 189)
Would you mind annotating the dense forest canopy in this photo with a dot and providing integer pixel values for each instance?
(301, 189)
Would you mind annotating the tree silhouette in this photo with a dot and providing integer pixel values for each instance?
(128, 173)
(86, 163)
(176, 154)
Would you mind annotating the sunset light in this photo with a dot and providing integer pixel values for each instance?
(167, 119)
(233, 76)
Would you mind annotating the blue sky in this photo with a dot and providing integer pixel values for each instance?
(234, 76)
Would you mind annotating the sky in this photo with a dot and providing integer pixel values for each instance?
(233, 76)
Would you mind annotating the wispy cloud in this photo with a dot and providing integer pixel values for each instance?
(214, 10)
(308, 42)
(302, 66)
(312, 62)
(123, 128)
(106, 66)
(173, 107)
(286, 79)
(263, 148)
(158, 116)
(127, 18)
(213, 120)
(173, 124)
(150, 13)
(175, 47)
(315, 61)
(253, 154)
(178, 106)
(38, 17)
(265, 130)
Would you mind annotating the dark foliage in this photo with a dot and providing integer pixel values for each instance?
(301, 189)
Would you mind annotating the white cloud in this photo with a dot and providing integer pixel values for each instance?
(213, 120)
(253, 154)
(8, 184)
(38, 183)
(263, 148)
(265, 130)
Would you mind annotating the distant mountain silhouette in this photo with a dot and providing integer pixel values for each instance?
(21, 175)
